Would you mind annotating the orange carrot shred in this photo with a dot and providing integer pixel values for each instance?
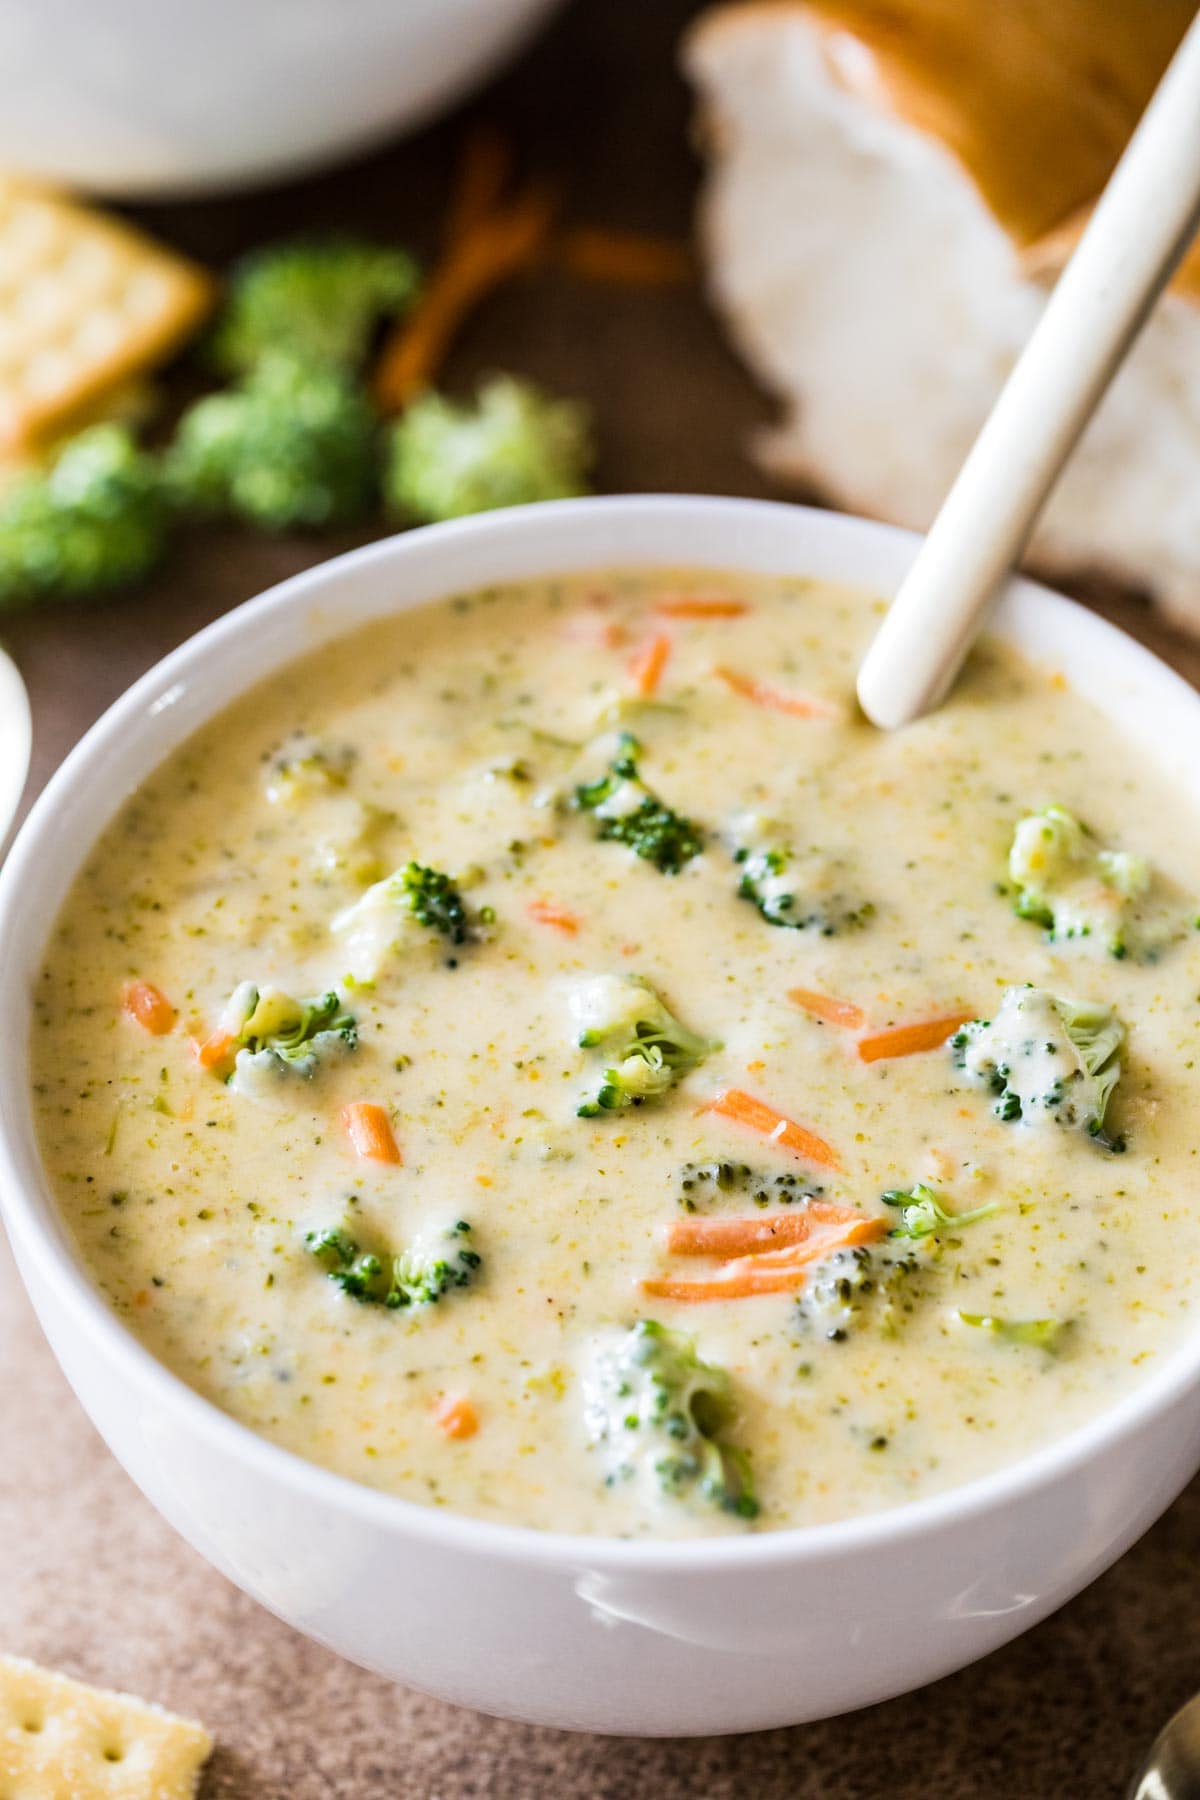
(825, 1006)
(456, 1416)
(632, 258)
(800, 706)
(744, 1109)
(779, 1271)
(493, 248)
(211, 1052)
(149, 1006)
(549, 912)
(711, 1236)
(699, 606)
(480, 179)
(370, 1131)
(910, 1040)
(646, 665)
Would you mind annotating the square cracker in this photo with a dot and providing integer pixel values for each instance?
(85, 301)
(61, 1740)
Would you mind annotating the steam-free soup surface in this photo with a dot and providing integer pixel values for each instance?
(442, 1291)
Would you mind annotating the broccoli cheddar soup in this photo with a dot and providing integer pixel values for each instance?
(545, 1056)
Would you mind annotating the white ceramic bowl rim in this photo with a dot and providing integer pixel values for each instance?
(29, 1206)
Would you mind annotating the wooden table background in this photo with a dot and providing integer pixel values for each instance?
(93, 1580)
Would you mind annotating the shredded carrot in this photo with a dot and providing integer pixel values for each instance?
(825, 1006)
(910, 1040)
(699, 606)
(549, 912)
(646, 665)
(633, 258)
(456, 1416)
(493, 248)
(211, 1052)
(744, 1109)
(768, 1271)
(483, 171)
(746, 1236)
(149, 1006)
(370, 1131)
(800, 706)
(599, 634)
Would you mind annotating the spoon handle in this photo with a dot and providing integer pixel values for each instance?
(1140, 230)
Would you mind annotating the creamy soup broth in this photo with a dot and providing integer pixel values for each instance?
(461, 736)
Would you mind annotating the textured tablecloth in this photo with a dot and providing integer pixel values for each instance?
(93, 1581)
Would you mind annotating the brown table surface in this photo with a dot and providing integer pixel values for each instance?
(94, 1581)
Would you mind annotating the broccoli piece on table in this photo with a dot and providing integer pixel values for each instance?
(515, 445)
(1047, 1059)
(627, 812)
(382, 918)
(622, 1016)
(857, 1286)
(800, 897)
(272, 1035)
(318, 299)
(292, 447)
(419, 1276)
(658, 1416)
(96, 519)
(922, 1214)
(1068, 884)
(1042, 1334)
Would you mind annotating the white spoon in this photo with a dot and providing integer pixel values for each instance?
(1141, 227)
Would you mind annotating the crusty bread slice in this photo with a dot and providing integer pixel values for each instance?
(881, 274)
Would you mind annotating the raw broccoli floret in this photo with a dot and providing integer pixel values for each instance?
(515, 445)
(275, 1035)
(627, 812)
(922, 1214)
(623, 1017)
(1043, 1334)
(856, 1286)
(418, 1276)
(1067, 883)
(96, 519)
(319, 299)
(291, 447)
(803, 898)
(377, 923)
(657, 1415)
(1047, 1059)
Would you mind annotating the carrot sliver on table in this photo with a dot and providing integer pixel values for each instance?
(149, 1006)
(646, 665)
(910, 1040)
(758, 1115)
(549, 912)
(829, 1008)
(369, 1129)
(700, 606)
(762, 693)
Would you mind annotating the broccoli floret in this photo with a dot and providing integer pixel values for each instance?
(801, 898)
(277, 1036)
(319, 299)
(627, 812)
(1044, 1334)
(418, 1276)
(657, 1415)
(858, 1286)
(95, 520)
(515, 445)
(292, 447)
(304, 765)
(377, 923)
(622, 1016)
(923, 1215)
(1072, 887)
(701, 1183)
(1046, 1059)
